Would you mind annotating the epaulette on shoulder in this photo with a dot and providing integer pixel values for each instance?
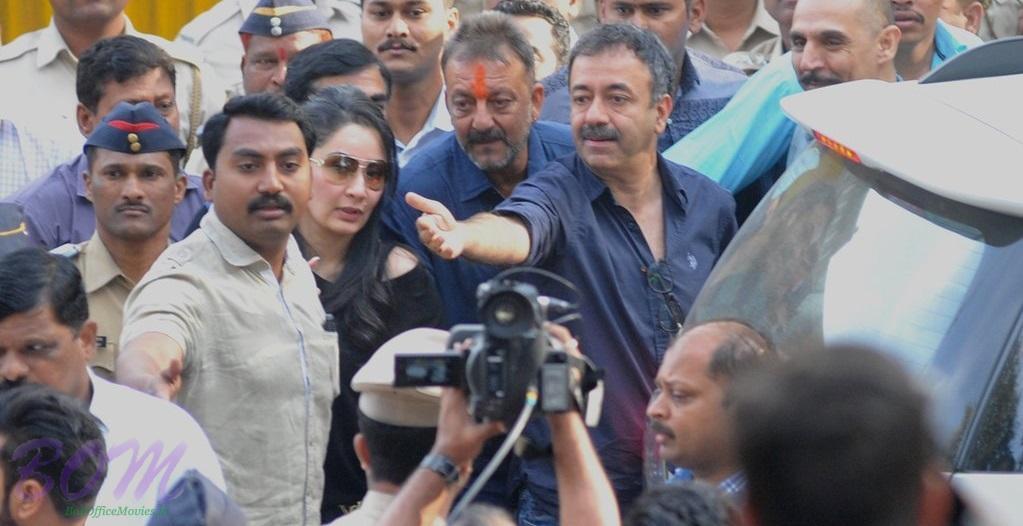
(20, 46)
(68, 250)
(194, 31)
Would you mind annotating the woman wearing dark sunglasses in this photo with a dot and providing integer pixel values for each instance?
(359, 275)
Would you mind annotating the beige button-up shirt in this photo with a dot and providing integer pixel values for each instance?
(39, 74)
(762, 27)
(215, 33)
(106, 290)
(260, 372)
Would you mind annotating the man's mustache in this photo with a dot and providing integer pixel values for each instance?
(485, 136)
(392, 43)
(7, 385)
(600, 132)
(270, 201)
(812, 77)
(662, 429)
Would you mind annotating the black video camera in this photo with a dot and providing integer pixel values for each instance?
(509, 354)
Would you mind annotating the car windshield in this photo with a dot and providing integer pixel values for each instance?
(838, 253)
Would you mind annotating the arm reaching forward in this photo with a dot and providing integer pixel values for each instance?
(151, 363)
(485, 238)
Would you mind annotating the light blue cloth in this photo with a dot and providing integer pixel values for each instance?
(752, 134)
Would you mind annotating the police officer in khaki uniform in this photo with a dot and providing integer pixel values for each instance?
(134, 181)
(215, 33)
(38, 69)
(397, 426)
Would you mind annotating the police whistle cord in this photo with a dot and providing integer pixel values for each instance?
(532, 396)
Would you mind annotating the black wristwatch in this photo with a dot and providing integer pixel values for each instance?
(442, 466)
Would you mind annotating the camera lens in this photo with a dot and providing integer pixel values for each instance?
(505, 313)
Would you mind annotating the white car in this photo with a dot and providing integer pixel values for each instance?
(901, 228)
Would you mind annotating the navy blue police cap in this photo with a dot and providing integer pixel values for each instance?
(135, 128)
(276, 18)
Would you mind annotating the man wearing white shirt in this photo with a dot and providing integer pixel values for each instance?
(46, 338)
(408, 37)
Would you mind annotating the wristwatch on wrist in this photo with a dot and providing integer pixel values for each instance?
(441, 465)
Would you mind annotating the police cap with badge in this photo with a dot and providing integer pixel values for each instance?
(135, 128)
(277, 18)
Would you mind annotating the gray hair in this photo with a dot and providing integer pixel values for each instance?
(648, 49)
(484, 36)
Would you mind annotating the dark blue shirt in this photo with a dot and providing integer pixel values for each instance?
(579, 232)
(57, 210)
(705, 86)
(444, 173)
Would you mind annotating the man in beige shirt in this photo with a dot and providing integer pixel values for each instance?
(134, 182)
(732, 25)
(228, 321)
(38, 69)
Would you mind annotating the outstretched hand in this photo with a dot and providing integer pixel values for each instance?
(437, 228)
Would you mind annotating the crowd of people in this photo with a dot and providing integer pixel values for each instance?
(212, 251)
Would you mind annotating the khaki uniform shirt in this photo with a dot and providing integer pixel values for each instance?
(1001, 19)
(762, 27)
(39, 74)
(757, 57)
(215, 33)
(106, 290)
(260, 372)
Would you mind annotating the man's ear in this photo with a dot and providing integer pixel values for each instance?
(536, 97)
(86, 120)
(180, 185)
(27, 500)
(208, 178)
(697, 10)
(974, 14)
(87, 339)
(454, 17)
(361, 450)
(664, 106)
(87, 177)
(888, 43)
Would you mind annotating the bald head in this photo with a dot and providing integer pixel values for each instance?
(731, 347)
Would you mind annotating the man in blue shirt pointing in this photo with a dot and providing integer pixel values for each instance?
(636, 234)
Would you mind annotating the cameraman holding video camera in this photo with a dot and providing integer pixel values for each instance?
(586, 496)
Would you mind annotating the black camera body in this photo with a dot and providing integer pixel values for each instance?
(510, 353)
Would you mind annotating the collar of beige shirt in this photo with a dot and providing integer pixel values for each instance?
(100, 267)
(237, 252)
(51, 43)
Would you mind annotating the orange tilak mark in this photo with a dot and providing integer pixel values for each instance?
(281, 54)
(479, 84)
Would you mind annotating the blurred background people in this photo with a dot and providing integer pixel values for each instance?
(338, 62)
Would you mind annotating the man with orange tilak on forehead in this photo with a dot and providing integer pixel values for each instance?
(271, 35)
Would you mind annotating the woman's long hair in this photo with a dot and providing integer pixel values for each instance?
(362, 293)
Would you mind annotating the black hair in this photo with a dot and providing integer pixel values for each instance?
(486, 36)
(643, 44)
(118, 59)
(362, 294)
(833, 437)
(560, 29)
(38, 421)
(690, 503)
(395, 451)
(31, 278)
(262, 106)
(342, 56)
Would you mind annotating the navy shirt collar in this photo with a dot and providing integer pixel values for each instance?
(689, 78)
(472, 182)
(672, 186)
